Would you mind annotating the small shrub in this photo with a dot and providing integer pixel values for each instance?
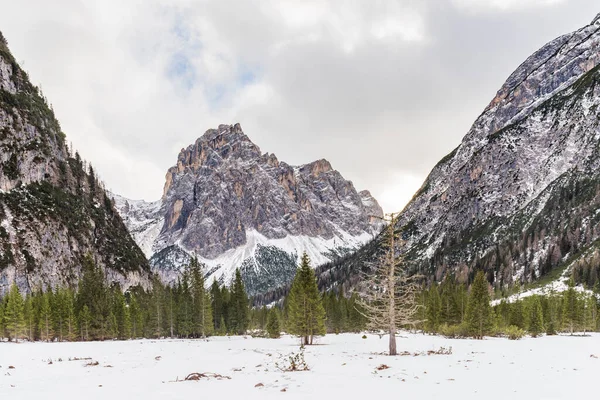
(453, 331)
(364, 336)
(293, 362)
(514, 332)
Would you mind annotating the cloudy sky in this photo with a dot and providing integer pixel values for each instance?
(382, 89)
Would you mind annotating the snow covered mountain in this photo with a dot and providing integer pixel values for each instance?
(233, 206)
(520, 195)
(53, 210)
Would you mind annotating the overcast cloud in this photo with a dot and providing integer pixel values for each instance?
(382, 89)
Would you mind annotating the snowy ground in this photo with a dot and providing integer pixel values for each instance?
(342, 367)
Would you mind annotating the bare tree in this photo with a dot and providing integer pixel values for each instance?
(389, 291)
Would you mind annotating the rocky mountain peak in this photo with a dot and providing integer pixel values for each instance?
(232, 206)
(212, 150)
(316, 168)
(596, 20)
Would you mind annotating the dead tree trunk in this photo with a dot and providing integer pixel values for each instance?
(389, 292)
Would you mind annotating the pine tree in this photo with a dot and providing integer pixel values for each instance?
(202, 309)
(45, 320)
(13, 314)
(570, 307)
(273, 328)
(85, 320)
(434, 309)
(216, 299)
(184, 304)
(588, 318)
(536, 321)
(551, 317)
(238, 306)
(2, 321)
(71, 321)
(136, 317)
(306, 314)
(356, 314)
(58, 311)
(479, 312)
(93, 293)
(517, 314)
(29, 318)
(155, 310)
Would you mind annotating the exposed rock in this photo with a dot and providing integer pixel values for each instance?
(235, 207)
(53, 210)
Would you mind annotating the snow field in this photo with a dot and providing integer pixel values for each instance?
(341, 366)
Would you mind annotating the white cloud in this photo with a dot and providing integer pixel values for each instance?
(504, 5)
(373, 86)
(400, 188)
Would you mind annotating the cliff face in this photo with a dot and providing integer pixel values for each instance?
(233, 206)
(53, 210)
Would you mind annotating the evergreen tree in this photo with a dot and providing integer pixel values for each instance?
(29, 318)
(136, 317)
(479, 311)
(13, 314)
(588, 304)
(2, 322)
(433, 309)
(85, 320)
(238, 306)
(216, 299)
(356, 314)
(202, 310)
(273, 328)
(536, 321)
(58, 311)
(155, 309)
(551, 317)
(93, 293)
(517, 314)
(184, 306)
(70, 319)
(45, 317)
(570, 308)
(306, 315)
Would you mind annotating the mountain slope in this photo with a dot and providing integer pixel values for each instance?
(233, 206)
(53, 210)
(520, 196)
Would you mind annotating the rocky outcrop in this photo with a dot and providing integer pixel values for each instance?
(233, 206)
(53, 210)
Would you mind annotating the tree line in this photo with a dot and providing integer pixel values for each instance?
(186, 309)
(449, 309)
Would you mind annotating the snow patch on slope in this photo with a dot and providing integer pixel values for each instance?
(222, 268)
(143, 219)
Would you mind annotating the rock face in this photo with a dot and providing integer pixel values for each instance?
(53, 211)
(521, 194)
(233, 206)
